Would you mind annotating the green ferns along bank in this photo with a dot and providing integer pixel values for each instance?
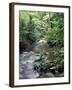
(43, 32)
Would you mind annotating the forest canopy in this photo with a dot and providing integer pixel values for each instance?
(34, 25)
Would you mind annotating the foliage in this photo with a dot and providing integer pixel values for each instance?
(34, 26)
(41, 66)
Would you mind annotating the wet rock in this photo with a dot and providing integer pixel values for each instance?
(52, 68)
(47, 75)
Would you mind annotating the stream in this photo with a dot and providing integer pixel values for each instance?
(26, 70)
(26, 65)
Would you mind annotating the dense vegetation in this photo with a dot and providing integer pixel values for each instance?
(49, 27)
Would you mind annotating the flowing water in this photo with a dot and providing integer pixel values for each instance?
(26, 70)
